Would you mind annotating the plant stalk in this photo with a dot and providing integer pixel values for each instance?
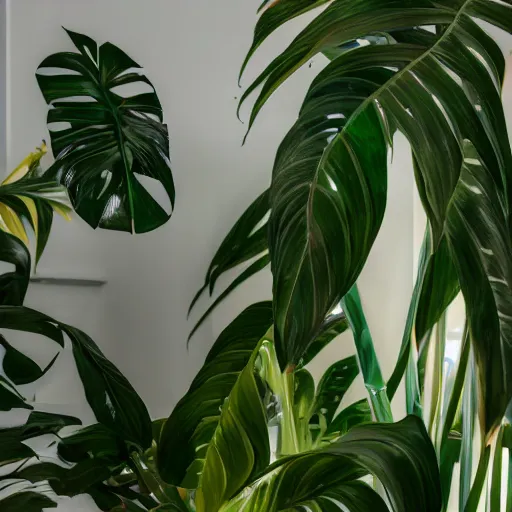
(367, 357)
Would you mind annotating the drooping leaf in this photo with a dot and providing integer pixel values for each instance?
(10, 398)
(478, 234)
(188, 430)
(13, 285)
(394, 453)
(240, 447)
(251, 270)
(94, 441)
(316, 203)
(69, 481)
(40, 423)
(28, 501)
(13, 449)
(110, 139)
(246, 239)
(19, 368)
(112, 398)
(422, 98)
(278, 13)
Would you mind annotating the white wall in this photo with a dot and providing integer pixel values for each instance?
(192, 51)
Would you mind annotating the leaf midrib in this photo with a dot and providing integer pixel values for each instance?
(361, 108)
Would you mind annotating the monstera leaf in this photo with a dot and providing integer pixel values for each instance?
(107, 142)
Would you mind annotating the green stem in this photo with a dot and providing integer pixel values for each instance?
(367, 357)
(478, 484)
(289, 439)
(437, 378)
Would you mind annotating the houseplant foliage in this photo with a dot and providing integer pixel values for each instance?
(254, 432)
(429, 70)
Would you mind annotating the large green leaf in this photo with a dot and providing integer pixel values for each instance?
(110, 140)
(67, 481)
(479, 238)
(28, 501)
(240, 447)
(38, 423)
(19, 368)
(435, 111)
(187, 432)
(14, 284)
(111, 397)
(316, 203)
(394, 453)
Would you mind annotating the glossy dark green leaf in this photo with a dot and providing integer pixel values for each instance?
(112, 398)
(394, 453)
(450, 455)
(95, 441)
(246, 239)
(240, 447)
(13, 285)
(29, 320)
(11, 447)
(19, 368)
(26, 501)
(341, 21)
(306, 227)
(40, 423)
(277, 14)
(479, 239)
(112, 139)
(196, 415)
(67, 481)
(251, 270)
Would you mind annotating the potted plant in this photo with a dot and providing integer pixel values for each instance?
(254, 432)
